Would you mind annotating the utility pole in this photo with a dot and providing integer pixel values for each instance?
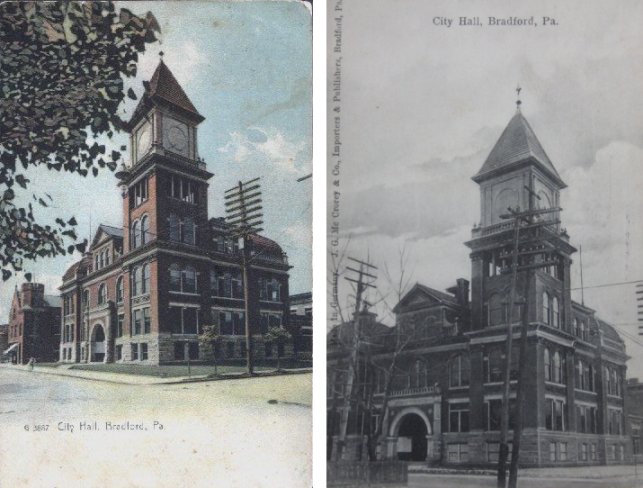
(243, 214)
(361, 287)
(639, 291)
(524, 259)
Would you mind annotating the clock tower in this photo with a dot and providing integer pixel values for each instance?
(165, 220)
(518, 174)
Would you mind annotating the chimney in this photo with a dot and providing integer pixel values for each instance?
(33, 294)
(463, 292)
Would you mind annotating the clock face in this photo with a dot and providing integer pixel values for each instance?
(144, 140)
(175, 136)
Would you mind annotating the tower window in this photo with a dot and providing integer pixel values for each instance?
(546, 314)
(138, 193)
(182, 189)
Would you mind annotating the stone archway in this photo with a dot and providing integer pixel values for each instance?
(97, 344)
(412, 429)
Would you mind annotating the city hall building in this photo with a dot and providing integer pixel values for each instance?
(144, 291)
(443, 361)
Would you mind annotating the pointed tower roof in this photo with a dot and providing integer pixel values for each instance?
(517, 145)
(163, 88)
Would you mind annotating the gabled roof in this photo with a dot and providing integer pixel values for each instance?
(437, 295)
(163, 87)
(112, 232)
(517, 144)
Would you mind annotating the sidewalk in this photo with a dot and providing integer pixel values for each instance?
(621, 471)
(133, 379)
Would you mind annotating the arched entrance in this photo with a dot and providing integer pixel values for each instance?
(97, 344)
(411, 430)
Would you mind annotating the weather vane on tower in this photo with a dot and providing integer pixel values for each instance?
(518, 102)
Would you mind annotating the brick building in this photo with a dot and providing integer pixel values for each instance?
(443, 393)
(143, 292)
(301, 320)
(34, 325)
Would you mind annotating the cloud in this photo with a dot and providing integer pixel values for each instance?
(300, 234)
(257, 145)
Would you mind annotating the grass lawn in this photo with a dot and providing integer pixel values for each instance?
(166, 371)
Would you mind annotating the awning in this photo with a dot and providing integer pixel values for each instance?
(12, 347)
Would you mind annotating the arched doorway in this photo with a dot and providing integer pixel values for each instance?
(412, 438)
(97, 344)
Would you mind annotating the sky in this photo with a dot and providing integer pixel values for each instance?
(423, 104)
(247, 67)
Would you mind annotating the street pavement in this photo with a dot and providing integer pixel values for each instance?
(66, 431)
(572, 478)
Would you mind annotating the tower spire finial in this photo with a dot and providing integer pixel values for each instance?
(518, 102)
(161, 53)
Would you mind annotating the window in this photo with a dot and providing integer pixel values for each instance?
(458, 453)
(418, 376)
(143, 352)
(96, 261)
(615, 421)
(459, 417)
(555, 414)
(546, 314)
(269, 289)
(184, 320)
(175, 278)
(102, 294)
(459, 371)
(86, 299)
(592, 452)
(229, 349)
(559, 369)
(493, 365)
(137, 320)
(188, 283)
(562, 451)
(226, 283)
(183, 280)
(583, 452)
(175, 228)
(136, 236)
(494, 413)
(101, 260)
(145, 279)
(188, 230)
(243, 349)
(134, 352)
(555, 313)
(146, 320)
(575, 327)
(138, 193)
(182, 189)
(193, 350)
(232, 323)
(145, 229)
(119, 325)
(119, 290)
(119, 352)
(137, 281)
(548, 366)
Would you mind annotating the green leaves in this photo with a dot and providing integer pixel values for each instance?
(62, 71)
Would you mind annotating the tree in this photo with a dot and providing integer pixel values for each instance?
(211, 337)
(61, 81)
(279, 336)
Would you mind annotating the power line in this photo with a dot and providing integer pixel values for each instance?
(608, 284)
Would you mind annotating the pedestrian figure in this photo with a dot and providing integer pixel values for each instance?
(31, 361)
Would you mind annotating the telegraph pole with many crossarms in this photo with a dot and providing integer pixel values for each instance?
(530, 252)
(361, 286)
(243, 209)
